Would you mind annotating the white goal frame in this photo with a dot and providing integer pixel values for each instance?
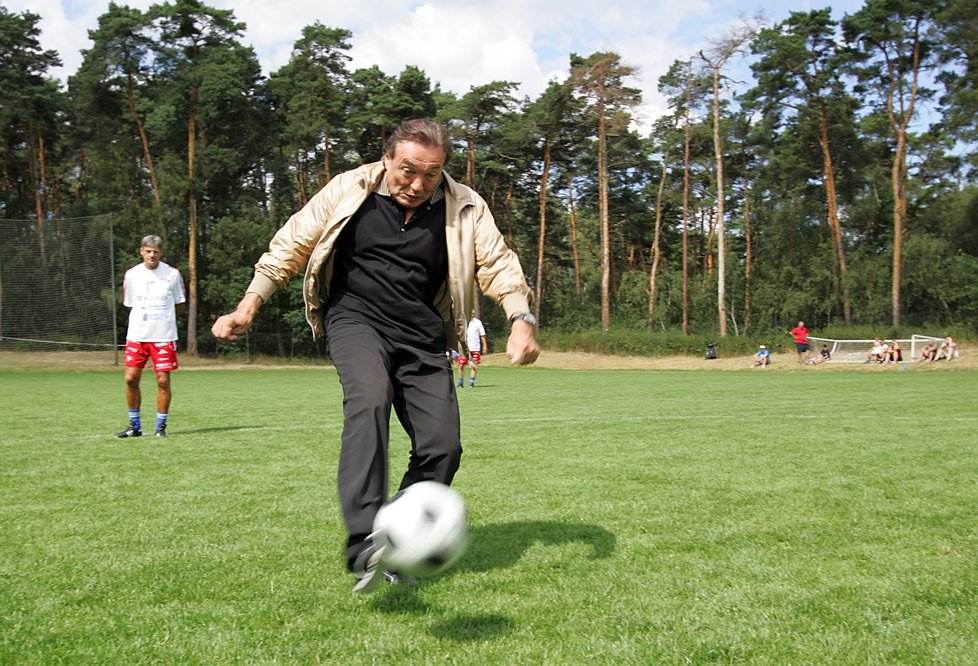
(857, 351)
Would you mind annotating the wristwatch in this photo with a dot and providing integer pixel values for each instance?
(524, 316)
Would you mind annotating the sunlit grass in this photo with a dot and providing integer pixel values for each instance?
(617, 517)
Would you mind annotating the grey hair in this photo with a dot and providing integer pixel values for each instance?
(151, 241)
(424, 132)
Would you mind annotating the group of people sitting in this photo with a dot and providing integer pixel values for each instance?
(884, 352)
(947, 350)
(891, 352)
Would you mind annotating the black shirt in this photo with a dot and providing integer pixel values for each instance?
(386, 273)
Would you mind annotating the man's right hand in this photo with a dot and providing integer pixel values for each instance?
(228, 327)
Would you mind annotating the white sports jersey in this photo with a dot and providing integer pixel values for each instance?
(473, 335)
(153, 296)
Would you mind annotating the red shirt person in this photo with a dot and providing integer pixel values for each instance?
(800, 334)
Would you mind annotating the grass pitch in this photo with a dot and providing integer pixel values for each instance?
(618, 517)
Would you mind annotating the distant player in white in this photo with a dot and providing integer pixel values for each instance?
(475, 341)
(154, 290)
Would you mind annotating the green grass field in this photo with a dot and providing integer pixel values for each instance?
(618, 517)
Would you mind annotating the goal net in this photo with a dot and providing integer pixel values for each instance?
(857, 351)
(57, 285)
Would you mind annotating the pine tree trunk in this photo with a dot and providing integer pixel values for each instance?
(192, 240)
(656, 251)
(686, 149)
(144, 140)
(36, 178)
(603, 217)
(327, 155)
(748, 249)
(541, 244)
(835, 227)
(898, 173)
(470, 162)
(899, 183)
(721, 234)
(573, 229)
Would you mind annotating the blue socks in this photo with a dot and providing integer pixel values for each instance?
(135, 420)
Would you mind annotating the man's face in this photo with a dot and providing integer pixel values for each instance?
(413, 172)
(151, 256)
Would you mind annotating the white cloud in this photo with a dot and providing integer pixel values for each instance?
(457, 48)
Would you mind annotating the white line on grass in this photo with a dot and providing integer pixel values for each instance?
(555, 419)
(714, 417)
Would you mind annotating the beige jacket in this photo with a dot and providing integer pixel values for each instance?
(476, 250)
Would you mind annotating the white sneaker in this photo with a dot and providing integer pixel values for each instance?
(397, 578)
(367, 567)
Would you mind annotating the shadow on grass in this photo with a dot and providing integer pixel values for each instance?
(468, 628)
(198, 431)
(503, 544)
(496, 546)
(400, 599)
(406, 600)
(479, 384)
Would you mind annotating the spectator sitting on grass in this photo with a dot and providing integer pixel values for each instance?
(823, 355)
(876, 352)
(947, 350)
(894, 354)
(929, 352)
(762, 357)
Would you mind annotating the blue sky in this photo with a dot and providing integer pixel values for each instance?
(464, 42)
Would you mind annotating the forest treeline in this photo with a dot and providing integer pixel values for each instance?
(837, 185)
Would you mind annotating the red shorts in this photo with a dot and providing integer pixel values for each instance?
(476, 359)
(164, 355)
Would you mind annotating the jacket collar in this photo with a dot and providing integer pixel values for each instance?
(462, 194)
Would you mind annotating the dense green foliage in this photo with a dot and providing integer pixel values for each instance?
(618, 517)
(849, 166)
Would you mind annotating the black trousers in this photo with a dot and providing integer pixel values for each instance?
(377, 374)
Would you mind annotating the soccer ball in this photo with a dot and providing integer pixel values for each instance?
(424, 529)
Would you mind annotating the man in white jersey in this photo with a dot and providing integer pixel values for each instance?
(154, 291)
(475, 340)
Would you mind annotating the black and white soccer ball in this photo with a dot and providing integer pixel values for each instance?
(423, 528)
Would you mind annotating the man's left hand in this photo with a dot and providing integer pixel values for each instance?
(522, 347)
